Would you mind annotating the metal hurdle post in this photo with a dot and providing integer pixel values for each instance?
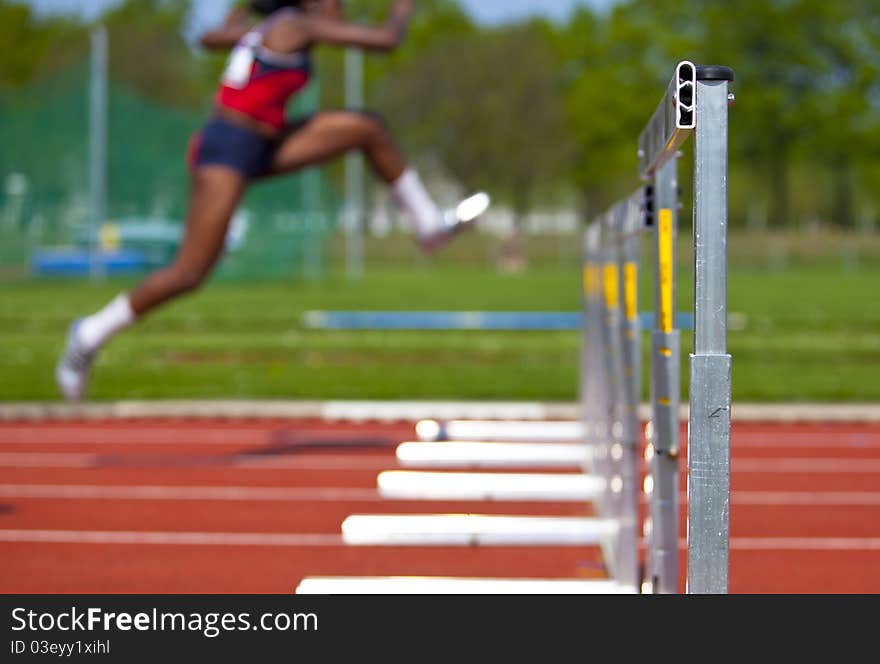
(611, 375)
(611, 360)
(629, 229)
(595, 396)
(710, 377)
(662, 452)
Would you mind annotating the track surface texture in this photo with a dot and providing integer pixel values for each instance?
(254, 506)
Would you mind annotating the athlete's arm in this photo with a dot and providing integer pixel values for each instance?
(386, 37)
(236, 25)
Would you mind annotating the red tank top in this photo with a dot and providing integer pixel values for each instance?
(258, 82)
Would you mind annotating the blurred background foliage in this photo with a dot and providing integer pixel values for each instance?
(546, 114)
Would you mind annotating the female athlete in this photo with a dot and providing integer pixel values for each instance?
(248, 138)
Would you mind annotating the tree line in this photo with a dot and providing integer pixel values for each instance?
(547, 114)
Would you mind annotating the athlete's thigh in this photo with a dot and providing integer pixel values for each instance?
(319, 138)
(215, 194)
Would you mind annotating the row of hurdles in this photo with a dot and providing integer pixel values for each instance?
(605, 447)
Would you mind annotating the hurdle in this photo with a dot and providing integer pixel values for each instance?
(695, 103)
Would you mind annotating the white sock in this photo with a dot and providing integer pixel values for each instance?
(96, 330)
(417, 203)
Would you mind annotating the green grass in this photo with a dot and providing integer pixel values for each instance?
(811, 334)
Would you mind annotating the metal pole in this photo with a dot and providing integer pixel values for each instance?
(662, 549)
(311, 187)
(97, 148)
(16, 187)
(616, 387)
(589, 337)
(594, 393)
(354, 171)
(630, 335)
(709, 431)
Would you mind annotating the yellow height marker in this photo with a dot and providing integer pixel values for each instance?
(631, 290)
(664, 251)
(591, 280)
(612, 288)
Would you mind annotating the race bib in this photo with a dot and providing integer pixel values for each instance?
(241, 61)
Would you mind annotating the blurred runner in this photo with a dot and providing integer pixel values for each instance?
(248, 137)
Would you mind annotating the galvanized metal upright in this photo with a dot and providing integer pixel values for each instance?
(355, 182)
(97, 147)
(662, 452)
(628, 229)
(595, 396)
(616, 386)
(708, 531)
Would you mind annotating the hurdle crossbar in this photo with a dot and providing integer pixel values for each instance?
(420, 585)
(524, 431)
(450, 486)
(475, 530)
(480, 454)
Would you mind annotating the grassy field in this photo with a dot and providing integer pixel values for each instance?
(805, 332)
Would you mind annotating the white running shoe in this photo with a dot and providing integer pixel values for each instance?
(454, 221)
(72, 372)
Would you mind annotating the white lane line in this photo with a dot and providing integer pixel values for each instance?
(38, 460)
(249, 437)
(348, 462)
(170, 538)
(812, 465)
(119, 436)
(231, 493)
(797, 544)
(313, 462)
(253, 462)
(805, 544)
(807, 498)
(334, 494)
(816, 498)
(294, 540)
(835, 442)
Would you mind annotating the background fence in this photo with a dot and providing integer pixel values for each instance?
(45, 207)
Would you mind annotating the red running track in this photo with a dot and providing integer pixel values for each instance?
(255, 506)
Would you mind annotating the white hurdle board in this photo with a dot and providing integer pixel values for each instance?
(538, 487)
(415, 585)
(550, 431)
(479, 454)
(475, 529)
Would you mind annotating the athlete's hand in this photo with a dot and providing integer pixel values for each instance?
(401, 10)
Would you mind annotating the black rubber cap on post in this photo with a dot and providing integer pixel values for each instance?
(714, 73)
